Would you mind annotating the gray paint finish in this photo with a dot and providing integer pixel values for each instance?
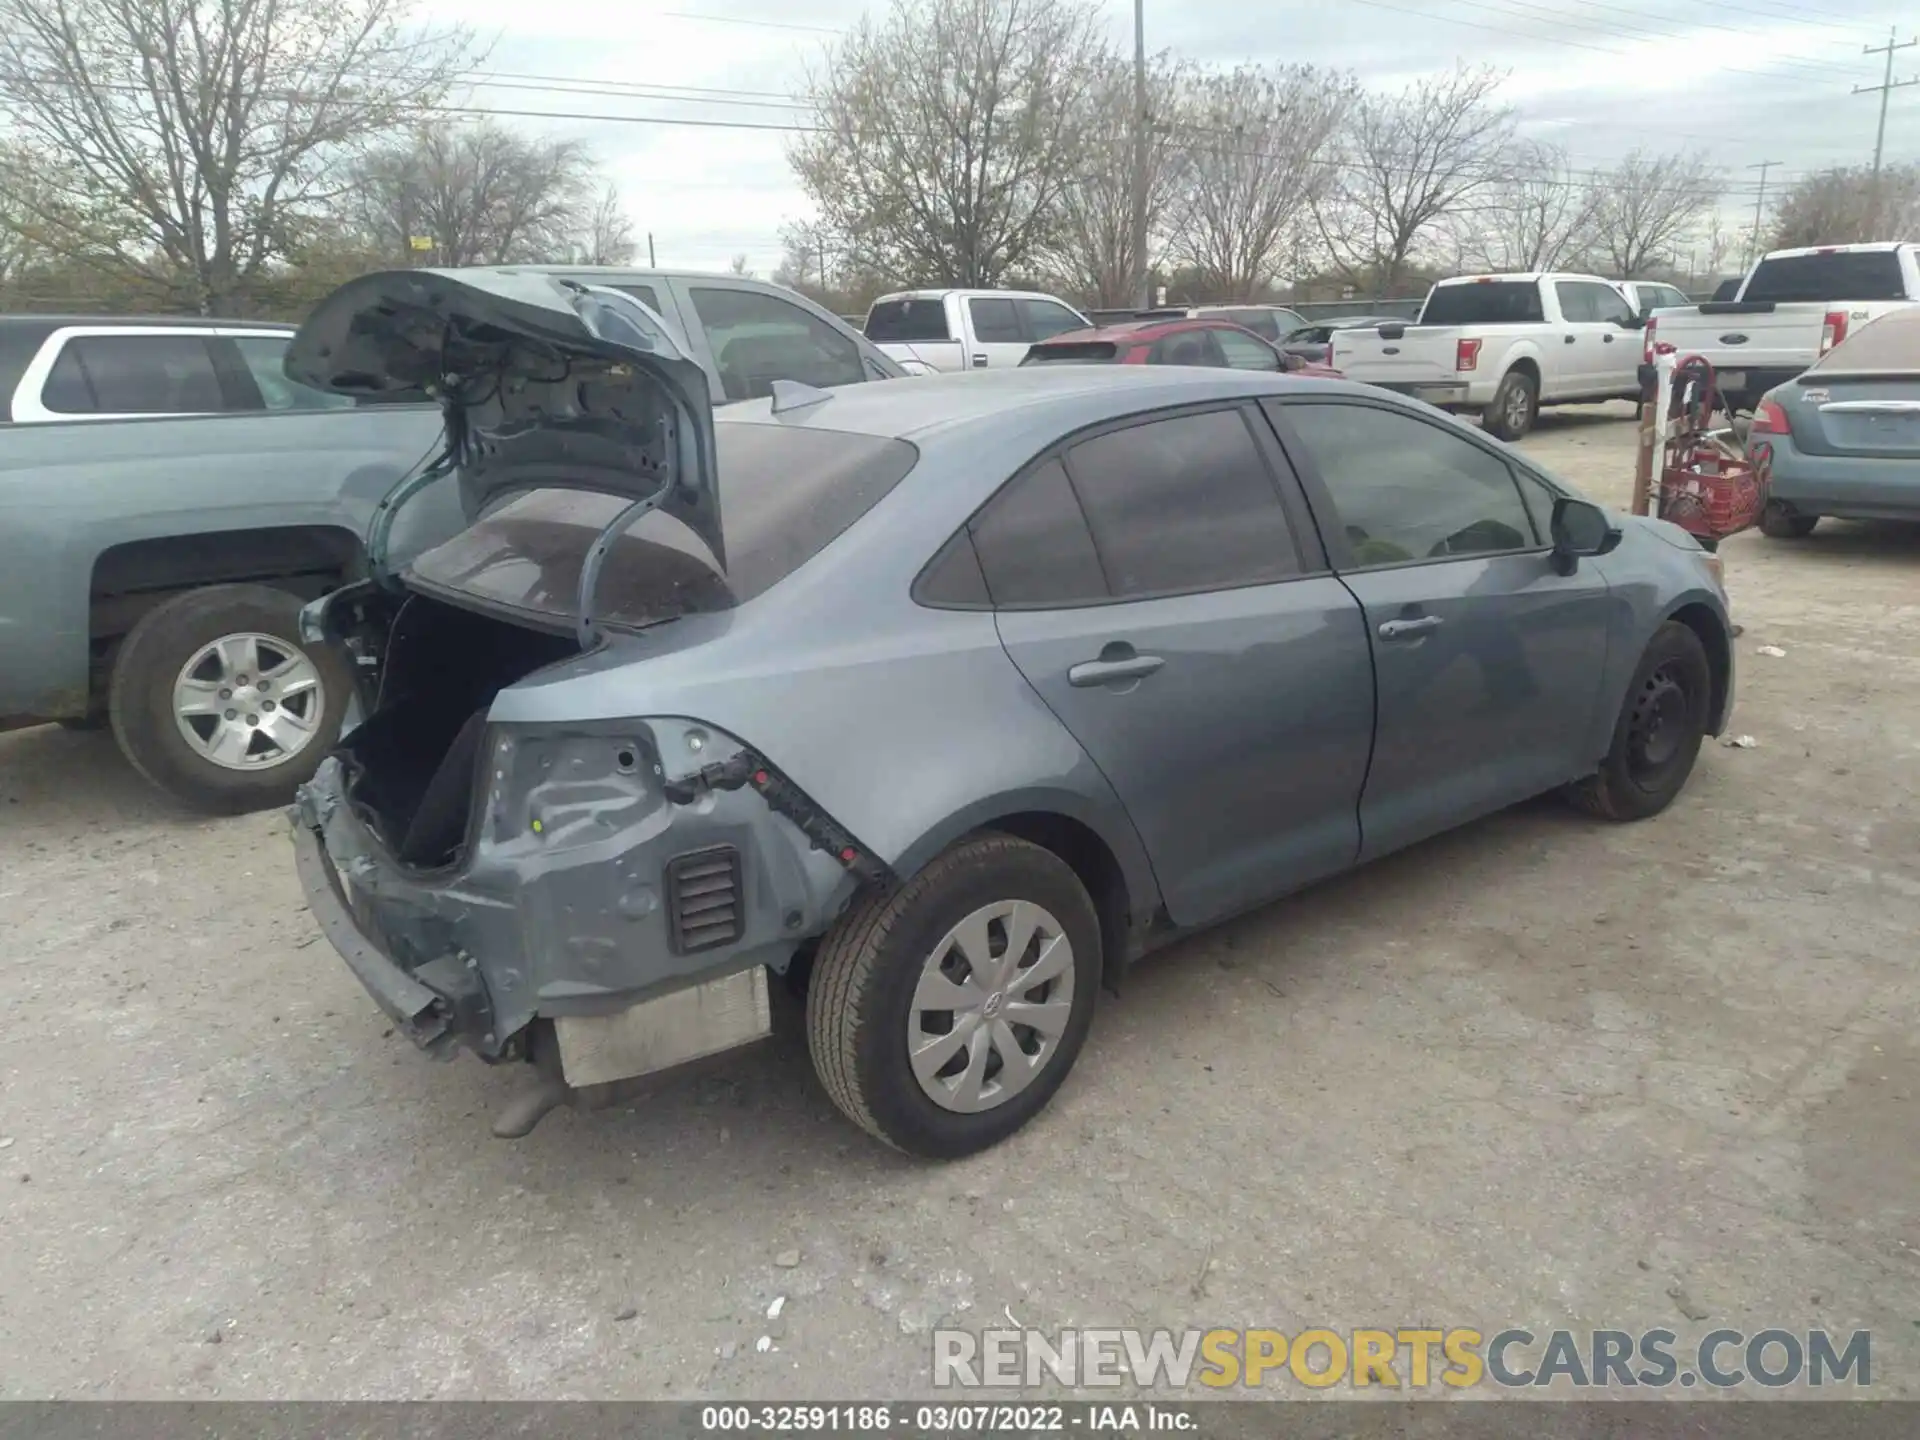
(1236, 772)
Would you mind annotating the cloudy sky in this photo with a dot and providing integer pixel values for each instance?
(1742, 80)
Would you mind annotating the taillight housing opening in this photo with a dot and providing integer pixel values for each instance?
(1466, 355)
(1769, 418)
(1833, 329)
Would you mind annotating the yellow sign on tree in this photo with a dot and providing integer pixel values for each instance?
(420, 242)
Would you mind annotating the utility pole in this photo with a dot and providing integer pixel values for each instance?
(1142, 275)
(1886, 87)
(1759, 200)
(652, 264)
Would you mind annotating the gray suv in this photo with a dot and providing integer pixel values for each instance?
(948, 697)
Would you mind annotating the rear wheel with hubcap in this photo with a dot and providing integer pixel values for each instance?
(215, 699)
(1657, 737)
(942, 1017)
(1516, 404)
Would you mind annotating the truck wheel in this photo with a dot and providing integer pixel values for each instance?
(215, 699)
(1516, 404)
(943, 1015)
(1657, 738)
(1780, 523)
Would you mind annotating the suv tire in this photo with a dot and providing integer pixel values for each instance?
(894, 951)
(177, 656)
(1657, 737)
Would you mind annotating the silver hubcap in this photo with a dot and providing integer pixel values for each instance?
(1517, 406)
(249, 702)
(993, 1001)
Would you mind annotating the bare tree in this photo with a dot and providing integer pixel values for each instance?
(1533, 217)
(948, 132)
(1407, 160)
(1841, 207)
(609, 237)
(480, 193)
(1648, 204)
(1092, 255)
(1254, 155)
(738, 266)
(185, 143)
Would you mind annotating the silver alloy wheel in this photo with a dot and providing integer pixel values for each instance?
(1516, 416)
(249, 701)
(993, 1001)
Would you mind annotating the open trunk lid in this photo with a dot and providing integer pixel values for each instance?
(544, 384)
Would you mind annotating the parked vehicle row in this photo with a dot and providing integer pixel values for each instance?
(951, 330)
(169, 498)
(1213, 343)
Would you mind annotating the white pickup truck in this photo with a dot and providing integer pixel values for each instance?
(1502, 346)
(966, 329)
(1793, 307)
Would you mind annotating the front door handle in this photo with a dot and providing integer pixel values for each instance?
(1407, 629)
(1566, 339)
(1607, 338)
(1106, 672)
(979, 361)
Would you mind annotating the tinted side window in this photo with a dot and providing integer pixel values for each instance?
(994, 321)
(1483, 302)
(1539, 500)
(1243, 352)
(954, 577)
(1190, 347)
(1406, 490)
(758, 339)
(1183, 504)
(1576, 304)
(1034, 545)
(67, 391)
(1045, 318)
(265, 359)
(150, 374)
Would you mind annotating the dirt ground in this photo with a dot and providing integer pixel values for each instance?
(1541, 1072)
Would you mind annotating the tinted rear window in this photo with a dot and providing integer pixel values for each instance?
(900, 322)
(1082, 352)
(785, 494)
(1855, 275)
(1497, 302)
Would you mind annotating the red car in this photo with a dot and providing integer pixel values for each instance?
(1179, 341)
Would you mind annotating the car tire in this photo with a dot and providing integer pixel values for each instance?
(177, 657)
(1658, 735)
(893, 950)
(1779, 523)
(1515, 406)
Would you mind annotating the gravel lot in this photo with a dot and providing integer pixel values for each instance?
(1540, 1072)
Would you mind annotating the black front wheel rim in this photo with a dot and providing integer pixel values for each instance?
(1658, 729)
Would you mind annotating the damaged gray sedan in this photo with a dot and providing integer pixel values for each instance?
(947, 697)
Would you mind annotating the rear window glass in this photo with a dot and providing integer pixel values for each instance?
(785, 494)
(1083, 352)
(1849, 275)
(903, 321)
(1497, 302)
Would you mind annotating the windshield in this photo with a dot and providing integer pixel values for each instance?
(785, 494)
(1082, 352)
(1489, 302)
(1843, 275)
(896, 322)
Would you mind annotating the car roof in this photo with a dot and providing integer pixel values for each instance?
(993, 400)
(966, 294)
(1888, 344)
(47, 324)
(1865, 247)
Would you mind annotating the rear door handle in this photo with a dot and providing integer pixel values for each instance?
(1105, 672)
(979, 361)
(1607, 339)
(1408, 629)
(1566, 340)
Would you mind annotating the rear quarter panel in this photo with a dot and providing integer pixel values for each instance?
(69, 492)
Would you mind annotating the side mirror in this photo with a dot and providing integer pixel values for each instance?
(1579, 528)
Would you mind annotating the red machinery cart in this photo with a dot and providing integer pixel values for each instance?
(1706, 483)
